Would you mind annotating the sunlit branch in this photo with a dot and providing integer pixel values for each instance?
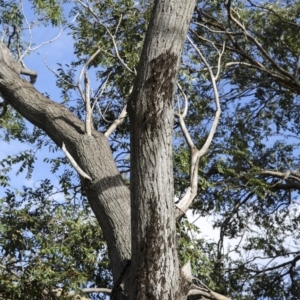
(214, 78)
(116, 122)
(74, 164)
(186, 102)
(181, 117)
(215, 31)
(283, 175)
(29, 49)
(90, 290)
(97, 97)
(83, 69)
(102, 114)
(191, 191)
(29, 30)
(88, 109)
(203, 290)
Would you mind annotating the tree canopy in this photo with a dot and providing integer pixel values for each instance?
(235, 147)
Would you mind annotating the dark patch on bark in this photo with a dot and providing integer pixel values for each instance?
(157, 96)
(159, 89)
(150, 247)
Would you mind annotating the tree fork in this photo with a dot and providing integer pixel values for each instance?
(107, 194)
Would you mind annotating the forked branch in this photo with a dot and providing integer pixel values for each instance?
(195, 153)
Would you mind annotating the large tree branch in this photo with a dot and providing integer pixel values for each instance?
(107, 193)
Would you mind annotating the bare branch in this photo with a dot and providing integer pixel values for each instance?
(213, 77)
(185, 130)
(186, 102)
(97, 97)
(83, 69)
(116, 122)
(196, 154)
(29, 49)
(90, 290)
(215, 31)
(117, 28)
(88, 109)
(74, 164)
(29, 30)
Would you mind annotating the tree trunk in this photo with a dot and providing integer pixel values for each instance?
(155, 266)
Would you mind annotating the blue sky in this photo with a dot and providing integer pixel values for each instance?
(59, 51)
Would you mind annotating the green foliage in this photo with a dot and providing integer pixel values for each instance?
(192, 248)
(48, 243)
(50, 10)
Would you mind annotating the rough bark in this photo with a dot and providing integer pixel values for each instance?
(107, 193)
(155, 264)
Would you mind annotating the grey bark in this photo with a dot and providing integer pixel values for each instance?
(155, 264)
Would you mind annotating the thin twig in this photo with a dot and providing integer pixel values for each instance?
(88, 109)
(56, 74)
(112, 36)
